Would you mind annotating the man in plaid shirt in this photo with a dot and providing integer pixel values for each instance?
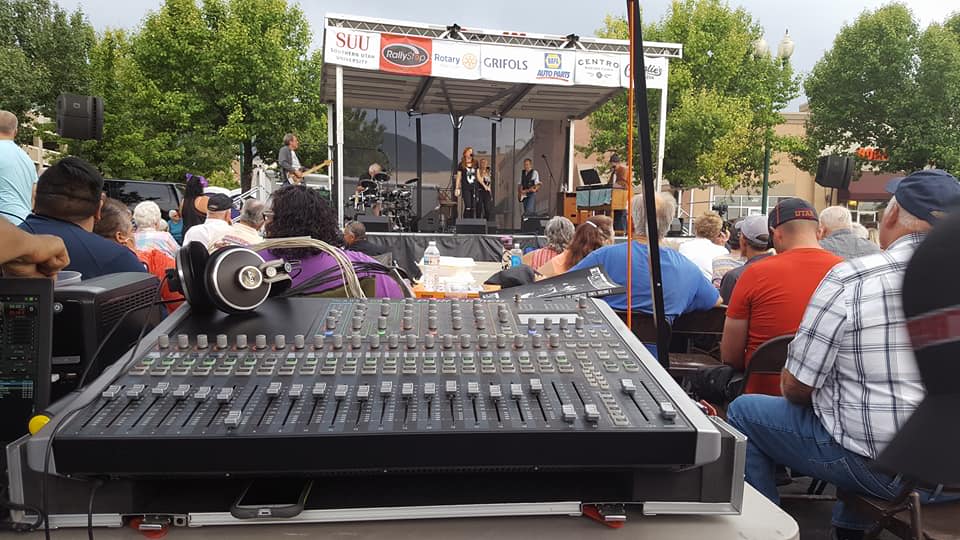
(851, 380)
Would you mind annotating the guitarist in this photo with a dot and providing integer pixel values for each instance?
(289, 162)
(528, 188)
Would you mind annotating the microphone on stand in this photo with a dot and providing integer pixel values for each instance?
(549, 170)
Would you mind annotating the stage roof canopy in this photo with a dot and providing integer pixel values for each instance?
(425, 68)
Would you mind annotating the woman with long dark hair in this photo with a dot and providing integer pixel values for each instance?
(590, 235)
(193, 209)
(467, 186)
(300, 211)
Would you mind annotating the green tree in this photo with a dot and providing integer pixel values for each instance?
(888, 84)
(44, 51)
(721, 99)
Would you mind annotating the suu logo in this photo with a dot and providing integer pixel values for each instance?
(353, 41)
(405, 55)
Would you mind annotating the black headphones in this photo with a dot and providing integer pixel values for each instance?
(233, 279)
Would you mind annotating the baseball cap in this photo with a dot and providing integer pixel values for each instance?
(789, 210)
(754, 229)
(926, 194)
(923, 449)
(218, 202)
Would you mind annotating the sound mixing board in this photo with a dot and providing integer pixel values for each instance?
(316, 386)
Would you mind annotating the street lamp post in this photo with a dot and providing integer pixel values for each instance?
(784, 51)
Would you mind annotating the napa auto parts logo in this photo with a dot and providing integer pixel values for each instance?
(405, 54)
(553, 69)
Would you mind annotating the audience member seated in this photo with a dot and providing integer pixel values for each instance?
(771, 294)
(592, 234)
(559, 232)
(685, 288)
(837, 235)
(708, 244)
(246, 231)
(217, 225)
(30, 255)
(754, 244)
(147, 218)
(193, 208)
(68, 201)
(115, 225)
(300, 211)
(175, 225)
(355, 239)
(735, 259)
(851, 378)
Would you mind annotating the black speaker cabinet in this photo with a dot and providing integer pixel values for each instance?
(375, 223)
(835, 171)
(430, 222)
(471, 226)
(80, 117)
(533, 224)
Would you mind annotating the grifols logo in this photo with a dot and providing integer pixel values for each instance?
(405, 55)
(353, 41)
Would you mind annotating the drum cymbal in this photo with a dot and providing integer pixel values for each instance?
(367, 185)
(411, 181)
(381, 177)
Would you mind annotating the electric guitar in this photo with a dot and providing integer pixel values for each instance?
(523, 193)
(297, 177)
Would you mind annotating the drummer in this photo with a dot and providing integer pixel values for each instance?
(374, 170)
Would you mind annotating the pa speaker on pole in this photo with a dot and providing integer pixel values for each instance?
(835, 171)
(80, 117)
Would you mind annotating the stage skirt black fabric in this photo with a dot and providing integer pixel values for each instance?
(408, 248)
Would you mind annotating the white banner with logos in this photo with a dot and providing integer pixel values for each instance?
(526, 65)
(353, 48)
(656, 73)
(600, 69)
(456, 60)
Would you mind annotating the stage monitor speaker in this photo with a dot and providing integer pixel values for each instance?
(375, 223)
(430, 222)
(80, 117)
(471, 226)
(533, 224)
(835, 171)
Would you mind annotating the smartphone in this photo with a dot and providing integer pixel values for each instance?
(272, 498)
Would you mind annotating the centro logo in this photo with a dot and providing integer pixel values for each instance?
(405, 55)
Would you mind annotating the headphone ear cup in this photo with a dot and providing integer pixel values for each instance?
(191, 264)
(222, 278)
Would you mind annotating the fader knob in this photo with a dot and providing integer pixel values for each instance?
(447, 341)
(280, 341)
(501, 341)
(183, 341)
(163, 341)
(331, 322)
(337, 341)
(483, 341)
(554, 341)
(222, 341)
(260, 341)
(318, 341)
(298, 341)
(355, 341)
(202, 342)
(535, 340)
(393, 341)
(241, 341)
(429, 341)
(411, 341)
(568, 413)
(518, 341)
(465, 341)
(591, 412)
(375, 341)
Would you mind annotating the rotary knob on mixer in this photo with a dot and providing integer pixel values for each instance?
(163, 341)
(447, 341)
(331, 322)
(407, 323)
(202, 342)
(222, 341)
(298, 341)
(393, 341)
(554, 341)
(337, 341)
(483, 341)
(355, 341)
(457, 323)
(579, 323)
(481, 321)
(465, 341)
(384, 309)
(279, 341)
(501, 341)
(411, 341)
(357, 323)
(518, 341)
(318, 341)
(429, 341)
(432, 323)
(241, 341)
(260, 341)
(535, 340)
(375, 341)
(183, 341)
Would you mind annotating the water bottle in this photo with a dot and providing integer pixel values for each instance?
(431, 266)
(516, 256)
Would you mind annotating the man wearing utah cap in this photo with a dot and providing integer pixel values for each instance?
(771, 294)
(851, 380)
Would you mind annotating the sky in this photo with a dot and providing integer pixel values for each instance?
(812, 23)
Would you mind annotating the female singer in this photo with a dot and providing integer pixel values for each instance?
(467, 183)
(485, 195)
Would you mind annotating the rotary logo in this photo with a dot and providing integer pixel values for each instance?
(470, 61)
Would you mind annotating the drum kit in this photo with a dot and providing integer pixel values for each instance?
(379, 197)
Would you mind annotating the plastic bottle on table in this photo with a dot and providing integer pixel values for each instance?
(516, 256)
(431, 267)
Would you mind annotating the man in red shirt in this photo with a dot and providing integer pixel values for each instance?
(771, 295)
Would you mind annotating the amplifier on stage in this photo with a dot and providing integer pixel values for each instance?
(534, 224)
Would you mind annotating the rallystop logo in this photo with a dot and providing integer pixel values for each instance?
(405, 54)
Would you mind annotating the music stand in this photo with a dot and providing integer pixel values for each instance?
(589, 177)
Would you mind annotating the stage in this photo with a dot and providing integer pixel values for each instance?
(408, 248)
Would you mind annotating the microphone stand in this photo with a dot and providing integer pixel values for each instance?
(549, 170)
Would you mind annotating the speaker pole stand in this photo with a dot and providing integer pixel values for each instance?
(766, 173)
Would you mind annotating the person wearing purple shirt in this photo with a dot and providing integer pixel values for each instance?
(300, 211)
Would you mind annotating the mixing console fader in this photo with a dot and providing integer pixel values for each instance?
(324, 385)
